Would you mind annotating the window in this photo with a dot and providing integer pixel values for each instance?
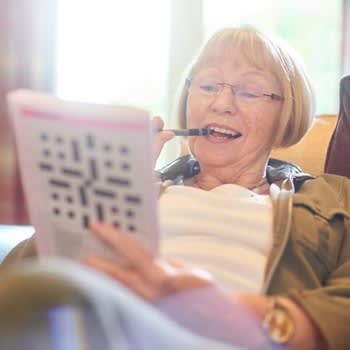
(113, 52)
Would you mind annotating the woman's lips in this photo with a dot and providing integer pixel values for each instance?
(223, 132)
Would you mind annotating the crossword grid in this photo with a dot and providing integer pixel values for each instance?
(78, 179)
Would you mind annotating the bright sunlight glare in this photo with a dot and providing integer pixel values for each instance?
(112, 51)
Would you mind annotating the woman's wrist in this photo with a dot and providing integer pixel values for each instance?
(305, 335)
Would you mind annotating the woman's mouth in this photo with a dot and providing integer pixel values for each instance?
(221, 132)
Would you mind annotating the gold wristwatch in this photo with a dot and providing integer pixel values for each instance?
(278, 323)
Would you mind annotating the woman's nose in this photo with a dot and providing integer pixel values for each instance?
(225, 101)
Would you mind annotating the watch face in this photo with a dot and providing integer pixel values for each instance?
(279, 324)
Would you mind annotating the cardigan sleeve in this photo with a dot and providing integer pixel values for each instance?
(329, 305)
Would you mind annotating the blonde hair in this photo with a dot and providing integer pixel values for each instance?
(265, 53)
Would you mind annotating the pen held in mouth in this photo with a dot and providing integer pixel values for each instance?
(190, 132)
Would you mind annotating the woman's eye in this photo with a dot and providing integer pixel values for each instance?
(248, 94)
(208, 87)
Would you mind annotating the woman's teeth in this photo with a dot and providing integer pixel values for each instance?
(224, 133)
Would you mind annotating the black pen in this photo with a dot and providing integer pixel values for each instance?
(190, 132)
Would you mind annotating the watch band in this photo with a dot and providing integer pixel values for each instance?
(278, 323)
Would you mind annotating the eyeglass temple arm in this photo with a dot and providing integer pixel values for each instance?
(275, 97)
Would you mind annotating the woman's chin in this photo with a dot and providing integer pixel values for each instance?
(213, 159)
(216, 154)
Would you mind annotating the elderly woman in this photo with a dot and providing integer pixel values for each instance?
(260, 237)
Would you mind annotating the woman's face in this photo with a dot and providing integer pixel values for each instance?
(245, 124)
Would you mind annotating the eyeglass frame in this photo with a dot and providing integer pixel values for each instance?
(273, 96)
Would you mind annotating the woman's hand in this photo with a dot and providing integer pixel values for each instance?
(161, 138)
(145, 275)
(187, 295)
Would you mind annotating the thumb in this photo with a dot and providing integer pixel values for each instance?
(161, 137)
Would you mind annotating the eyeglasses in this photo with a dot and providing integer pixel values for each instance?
(244, 95)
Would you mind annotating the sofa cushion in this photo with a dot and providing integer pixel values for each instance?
(310, 152)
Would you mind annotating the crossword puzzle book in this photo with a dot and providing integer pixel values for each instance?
(82, 162)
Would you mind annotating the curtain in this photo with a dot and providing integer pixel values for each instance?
(27, 52)
(345, 45)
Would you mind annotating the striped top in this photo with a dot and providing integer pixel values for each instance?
(226, 231)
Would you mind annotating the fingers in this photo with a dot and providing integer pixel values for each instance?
(133, 279)
(128, 277)
(138, 270)
(157, 123)
(176, 263)
(124, 245)
(161, 138)
(130, 252)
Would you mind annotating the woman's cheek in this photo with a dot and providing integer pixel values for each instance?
(264, 131)
(194, 113)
